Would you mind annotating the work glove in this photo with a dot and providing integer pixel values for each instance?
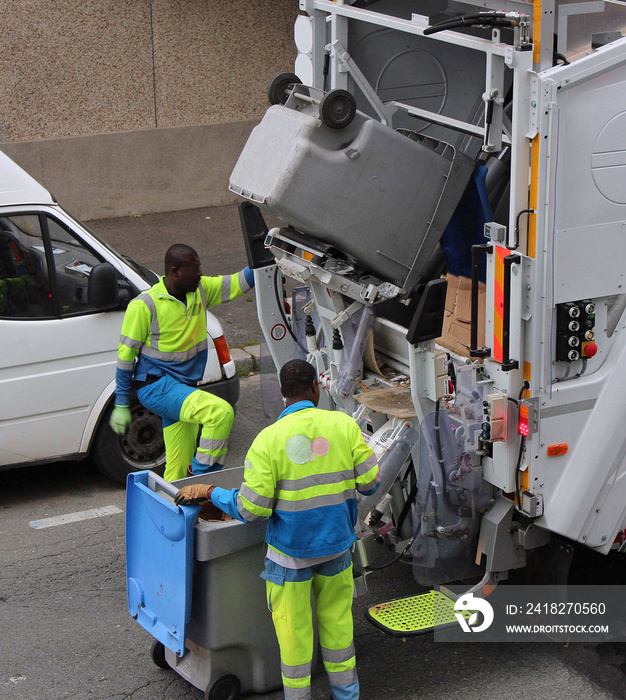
(120, 419)
(194, 495)
(249, 275)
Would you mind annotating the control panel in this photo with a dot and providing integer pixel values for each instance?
(575, 338)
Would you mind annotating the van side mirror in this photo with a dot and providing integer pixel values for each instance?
(103, 289)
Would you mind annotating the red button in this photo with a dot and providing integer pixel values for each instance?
(590, 349)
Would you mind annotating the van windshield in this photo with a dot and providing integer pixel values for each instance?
(146, 274)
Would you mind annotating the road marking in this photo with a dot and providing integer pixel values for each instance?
(74, 517)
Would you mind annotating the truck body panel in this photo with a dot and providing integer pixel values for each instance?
(536, 404)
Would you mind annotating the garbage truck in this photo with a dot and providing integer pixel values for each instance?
(450, 178)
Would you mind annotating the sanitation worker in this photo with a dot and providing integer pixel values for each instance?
(302, 473)
(162, 354)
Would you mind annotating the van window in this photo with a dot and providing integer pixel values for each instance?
(25, 290)
(44, 269)
(72, 263)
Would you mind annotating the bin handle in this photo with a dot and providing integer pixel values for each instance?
(476, 251)
(507, 363)
(155, 480)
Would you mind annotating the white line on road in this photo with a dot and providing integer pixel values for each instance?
(74, 517)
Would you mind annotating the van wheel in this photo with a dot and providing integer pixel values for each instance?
(141, 448)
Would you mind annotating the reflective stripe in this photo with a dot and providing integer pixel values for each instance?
(225, 288)
(315, 480)
(250, 495)
(301, 671)
(369, 486)
(175, 356)
(243, 284)
(212, 444)
(207, 459)
(130, 342)
(126, 364)
(202, 295)
(154, 324)
(247, 515)
(330, 499)
(297, 693)
(338, 656)
(342, 677)
(364, 467)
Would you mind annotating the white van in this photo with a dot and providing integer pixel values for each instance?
(62, 298)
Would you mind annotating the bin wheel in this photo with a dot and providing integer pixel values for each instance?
(224, 687)
(280, 87)
(157, 654)
(338, 108)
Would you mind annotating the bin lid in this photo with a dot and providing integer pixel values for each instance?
(159, 562)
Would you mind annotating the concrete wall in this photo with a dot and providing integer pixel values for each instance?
(136, 172)
(118, 76)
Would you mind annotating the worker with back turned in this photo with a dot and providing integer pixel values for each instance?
(303, 473)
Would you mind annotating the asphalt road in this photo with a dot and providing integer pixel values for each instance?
(65, 631)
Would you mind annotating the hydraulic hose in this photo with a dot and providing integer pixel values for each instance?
(407, 504)
(454, 20)
(482, 22)
(515, 246)
(395, 559)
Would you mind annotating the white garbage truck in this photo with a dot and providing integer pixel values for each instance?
(452, 181)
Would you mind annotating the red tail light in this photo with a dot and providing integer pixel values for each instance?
(223, 353)
(522, 422)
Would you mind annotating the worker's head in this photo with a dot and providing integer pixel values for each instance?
(182, 269)
(298, 382)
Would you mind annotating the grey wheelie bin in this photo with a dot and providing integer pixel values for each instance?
(195, 586)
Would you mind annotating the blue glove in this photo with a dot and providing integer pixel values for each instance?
(249, 275)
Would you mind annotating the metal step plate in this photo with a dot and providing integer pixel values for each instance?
(415, 615)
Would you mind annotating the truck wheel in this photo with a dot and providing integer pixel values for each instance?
(338, 108)
(225, 687)
(280, 87)
(157, 654)
(141, 448)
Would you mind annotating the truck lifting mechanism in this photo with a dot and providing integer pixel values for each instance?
(452, 182)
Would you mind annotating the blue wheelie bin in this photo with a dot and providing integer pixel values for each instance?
(195, 586)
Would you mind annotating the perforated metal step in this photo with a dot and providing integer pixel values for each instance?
(415, 615)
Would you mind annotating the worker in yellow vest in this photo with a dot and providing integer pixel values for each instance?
(303, 473)
(162, 354)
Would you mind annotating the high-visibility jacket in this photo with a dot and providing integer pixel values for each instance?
(161, 335)
(302, 473)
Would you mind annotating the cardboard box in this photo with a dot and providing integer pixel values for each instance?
(456, 331)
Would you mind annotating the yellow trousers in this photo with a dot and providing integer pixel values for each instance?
(292, 615)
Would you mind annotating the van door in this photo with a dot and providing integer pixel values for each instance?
(57, 353)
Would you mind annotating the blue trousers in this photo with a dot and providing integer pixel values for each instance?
(183, 409)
